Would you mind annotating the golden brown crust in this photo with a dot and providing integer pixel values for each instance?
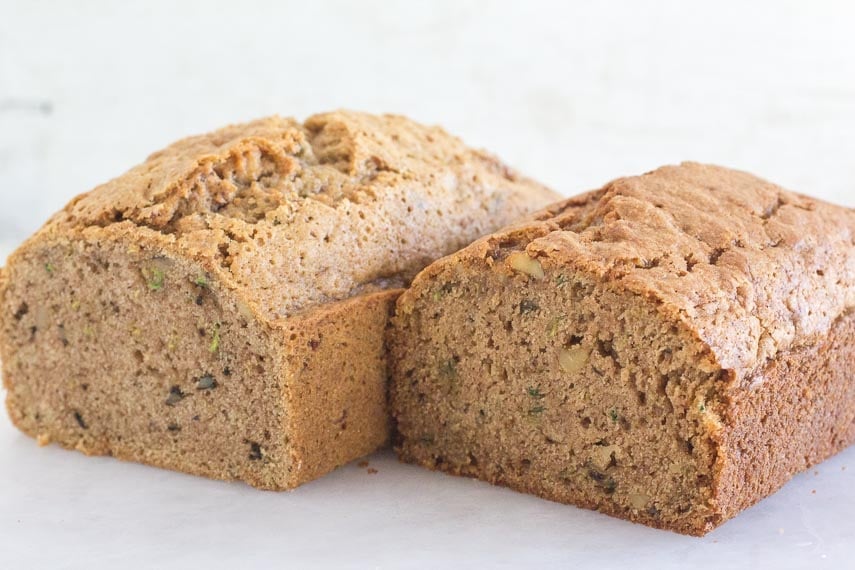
(751, 267)
(797, 411)
(296, 215)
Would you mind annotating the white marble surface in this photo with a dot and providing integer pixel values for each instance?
(571, 93)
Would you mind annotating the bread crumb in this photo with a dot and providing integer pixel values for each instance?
(362, 464)
(372, 471)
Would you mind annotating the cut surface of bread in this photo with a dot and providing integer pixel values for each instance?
(220, 309)
(669, 349)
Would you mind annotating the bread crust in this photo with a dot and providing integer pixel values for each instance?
(295, 215)
(752, 268)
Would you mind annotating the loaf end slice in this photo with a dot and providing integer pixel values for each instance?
(220, 308)
(669, 349)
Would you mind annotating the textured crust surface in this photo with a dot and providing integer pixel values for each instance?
(306, 230)
(300, 214)
(798, 411)
(760, 278)
(753, 268)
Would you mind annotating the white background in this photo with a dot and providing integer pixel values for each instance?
(571, 93)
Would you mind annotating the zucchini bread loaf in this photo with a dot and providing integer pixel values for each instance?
(220, 309)
(669, 349)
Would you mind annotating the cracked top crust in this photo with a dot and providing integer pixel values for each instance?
(299, 214)
(752, 268)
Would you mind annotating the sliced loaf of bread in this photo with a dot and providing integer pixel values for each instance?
(669, 349)
(220, 308)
